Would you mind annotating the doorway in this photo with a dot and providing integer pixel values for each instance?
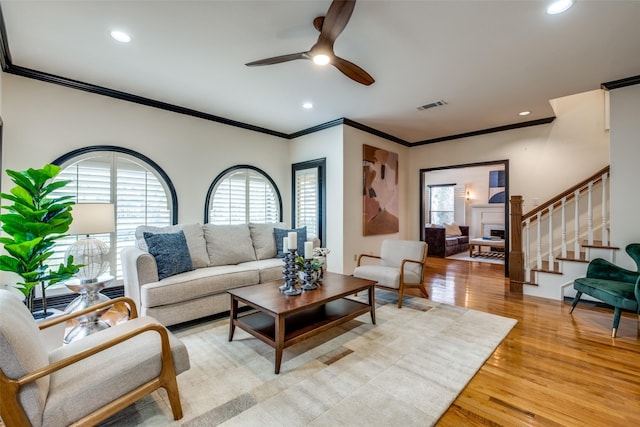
(480, 194)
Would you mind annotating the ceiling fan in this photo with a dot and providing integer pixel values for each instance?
(330, 27)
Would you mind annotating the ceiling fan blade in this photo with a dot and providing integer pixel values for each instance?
(334, 22)
(279, 59)
(352, 71)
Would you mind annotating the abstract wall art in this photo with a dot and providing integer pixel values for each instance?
(496, 186)
(380, 191)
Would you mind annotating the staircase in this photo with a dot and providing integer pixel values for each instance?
(552, 244)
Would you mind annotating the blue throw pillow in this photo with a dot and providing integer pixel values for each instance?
(170, 251)
(280, 234)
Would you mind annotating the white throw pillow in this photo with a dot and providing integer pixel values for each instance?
(452, 229)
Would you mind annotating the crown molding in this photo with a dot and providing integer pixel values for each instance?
(616, 84)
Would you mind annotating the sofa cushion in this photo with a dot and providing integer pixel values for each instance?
(170, 251)
(228, 244)
(269, 269)
(196, 284)
(451, 241)
(193, 234)
(263, 238)
(280, 234)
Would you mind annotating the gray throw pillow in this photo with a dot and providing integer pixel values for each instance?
(263, 241)
(228, 244)
(170, 251)
(280, 234)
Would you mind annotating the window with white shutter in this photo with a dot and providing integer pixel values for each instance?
(309, 197)
(140, 192)
(243, 194)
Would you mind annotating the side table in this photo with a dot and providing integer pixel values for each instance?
(89, 294)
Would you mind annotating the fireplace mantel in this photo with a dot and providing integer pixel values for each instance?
(486, 217)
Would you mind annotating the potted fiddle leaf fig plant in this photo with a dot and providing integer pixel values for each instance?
(35, 220)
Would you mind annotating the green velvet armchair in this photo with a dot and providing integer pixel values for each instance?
(613, 285)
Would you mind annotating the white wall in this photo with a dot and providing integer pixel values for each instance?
(354, 241)
(625, 173)
(543, 160)
(328, 144)
(43, 121)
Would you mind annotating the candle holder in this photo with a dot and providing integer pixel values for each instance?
(290, 279)
(285, 272)
(308, 283)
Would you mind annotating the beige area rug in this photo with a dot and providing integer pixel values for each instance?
(405, 370)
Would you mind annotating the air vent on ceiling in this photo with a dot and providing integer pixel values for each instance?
(432, 105)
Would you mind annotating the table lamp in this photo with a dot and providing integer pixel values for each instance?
(92, 253)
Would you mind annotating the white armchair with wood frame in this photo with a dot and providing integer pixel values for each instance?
(88, 380)
(401, 265)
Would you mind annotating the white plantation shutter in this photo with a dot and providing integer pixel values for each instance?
(140, 198)
(306, 187)
(241, 196)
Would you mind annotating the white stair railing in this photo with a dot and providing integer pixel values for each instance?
(570, 208)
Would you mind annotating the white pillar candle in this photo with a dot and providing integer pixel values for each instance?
(293, 240)
(308, 250)
(285, 245)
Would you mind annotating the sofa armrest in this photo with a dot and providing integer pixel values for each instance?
(138, 268)
(434, 237)
(464, 229)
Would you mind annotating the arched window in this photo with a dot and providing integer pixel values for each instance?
(141, 192)
(243, 194)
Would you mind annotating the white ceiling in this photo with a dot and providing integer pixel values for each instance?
(487, 59)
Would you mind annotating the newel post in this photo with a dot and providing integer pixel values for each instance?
(516, 257)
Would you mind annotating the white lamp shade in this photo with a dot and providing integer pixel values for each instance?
(93, 254)
(92, 218)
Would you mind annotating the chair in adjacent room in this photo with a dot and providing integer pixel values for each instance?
(401, 265)
(88, 380)
(613, 285)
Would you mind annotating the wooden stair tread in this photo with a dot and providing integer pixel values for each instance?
(598, 244)
(546, 268)
(571, 256)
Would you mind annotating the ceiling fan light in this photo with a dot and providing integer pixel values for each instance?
(321, 59)
(559, 6)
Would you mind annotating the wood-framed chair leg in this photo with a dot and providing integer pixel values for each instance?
(171, 387)
(400, 294)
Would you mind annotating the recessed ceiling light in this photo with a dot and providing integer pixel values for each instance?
(524, 113)
(307, 105)
(559, 6)
(120, 36)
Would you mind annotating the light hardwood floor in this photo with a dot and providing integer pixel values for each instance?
(553, 369)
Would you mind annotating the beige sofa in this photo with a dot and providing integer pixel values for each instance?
(223, 257)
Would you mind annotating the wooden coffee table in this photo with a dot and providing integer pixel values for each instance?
(479, 243)
(281, 320)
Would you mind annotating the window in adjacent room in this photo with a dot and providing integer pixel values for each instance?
(441, 204)
(243, 194)
(140, 191)
(308, 207)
